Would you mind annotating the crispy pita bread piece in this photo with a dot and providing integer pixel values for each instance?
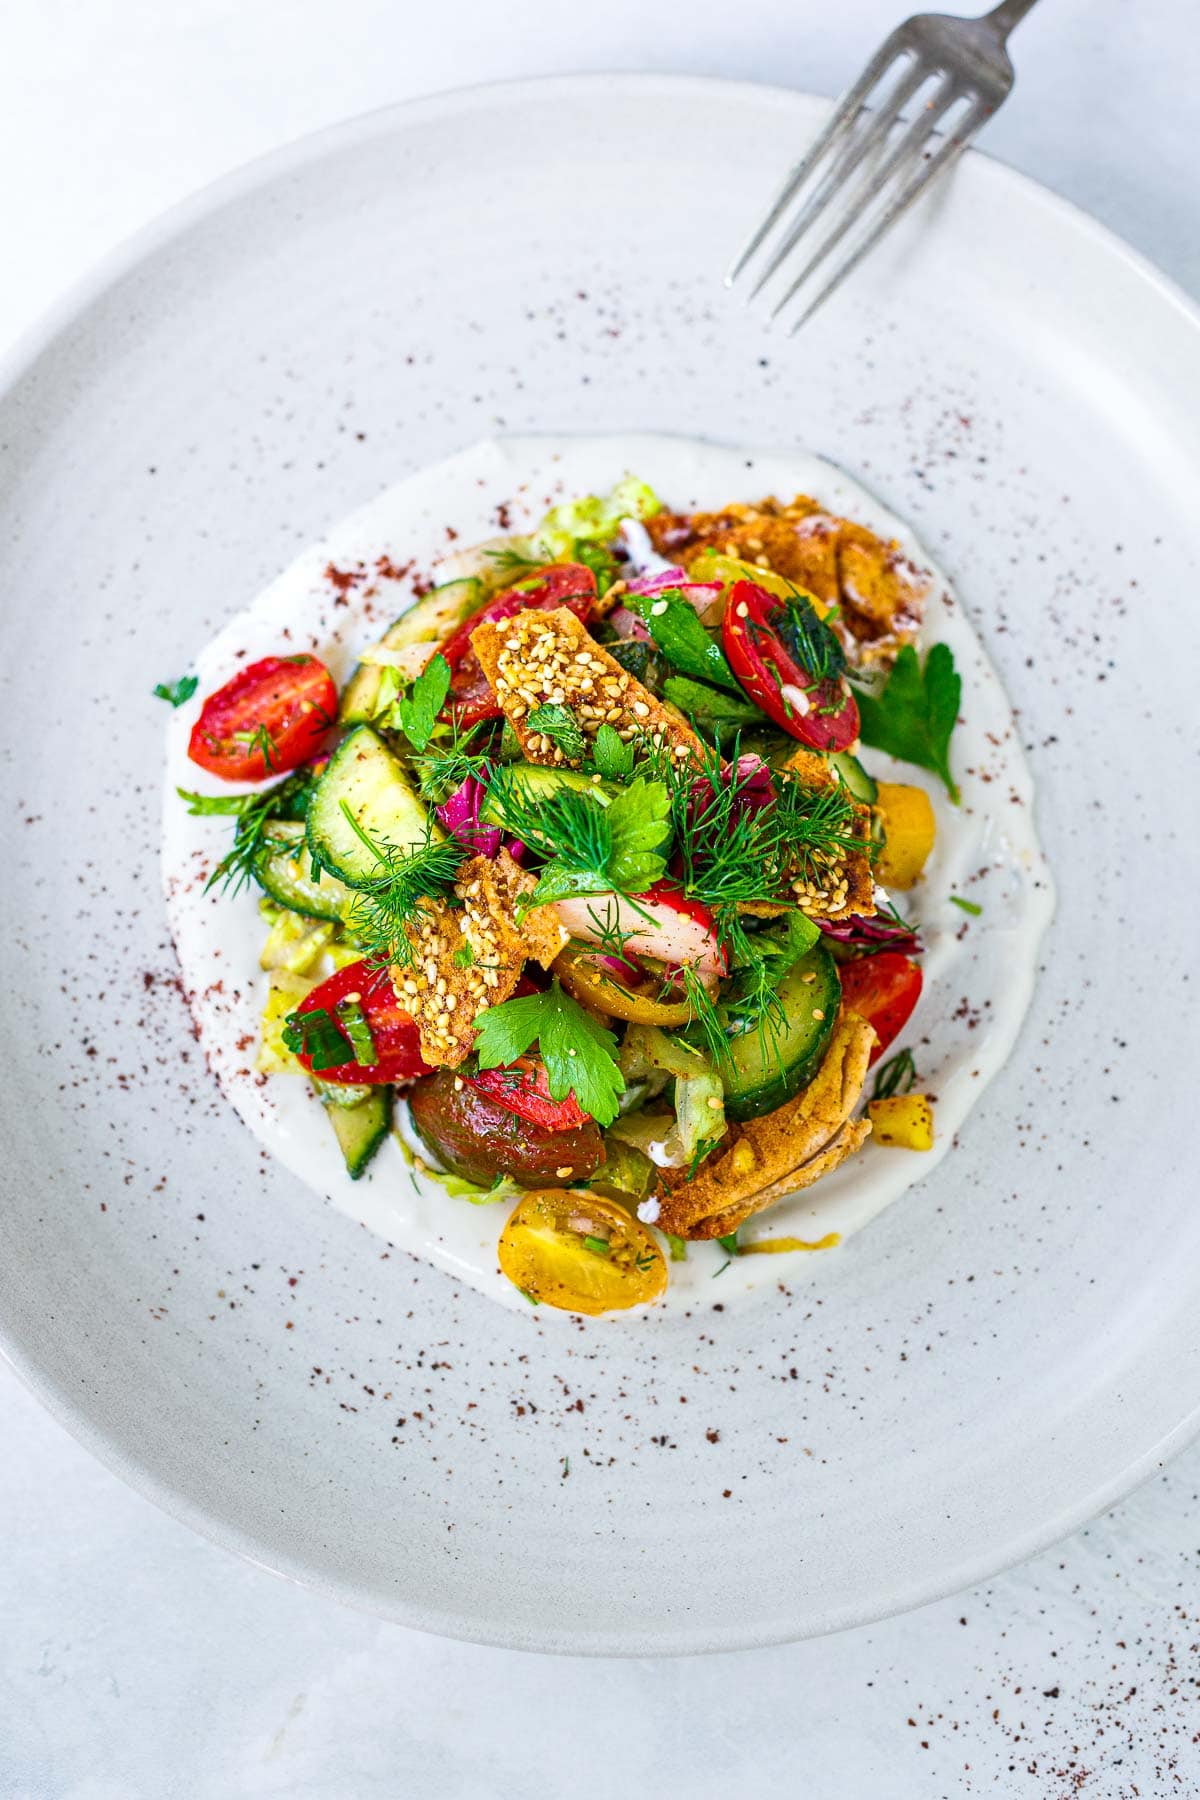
(469, 957)
(831, 885)
(538, 659)
(880, 589)
(756, 1166)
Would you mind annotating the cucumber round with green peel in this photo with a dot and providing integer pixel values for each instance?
(364, 796)
(285, 873)
(535, 782)
(431, 621)
(768, 1067)
(853, 776)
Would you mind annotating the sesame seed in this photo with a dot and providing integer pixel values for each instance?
(658, 609)
(564, 1171)
(458, 1082)
(741, 609)
(817, 1013)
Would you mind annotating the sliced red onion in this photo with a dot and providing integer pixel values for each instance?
(460, 815)
(873, 932)
(700, 594)
(754, 788)
(626, 624)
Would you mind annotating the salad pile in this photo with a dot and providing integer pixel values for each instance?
(583, 865)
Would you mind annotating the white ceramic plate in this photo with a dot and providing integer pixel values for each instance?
(1008, 1348)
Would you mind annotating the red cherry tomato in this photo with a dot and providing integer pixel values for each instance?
(471, 698)
(766, 668)
(393, 1032)
(882, 989)
(522, 1087)
(272, 716)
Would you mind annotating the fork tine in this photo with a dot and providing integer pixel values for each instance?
(854, 150)
(905, 153)
(846, 109)
(944, 155)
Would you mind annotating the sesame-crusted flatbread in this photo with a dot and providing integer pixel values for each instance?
(833, 884)
(540, 658)
(766, 1158)
(469, 957)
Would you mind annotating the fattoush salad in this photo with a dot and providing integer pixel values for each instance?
(585, 866)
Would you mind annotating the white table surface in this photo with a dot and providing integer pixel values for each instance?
(136, 1661)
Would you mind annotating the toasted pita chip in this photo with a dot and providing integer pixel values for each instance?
(767, 1151)
(538, 659)
(470, 957)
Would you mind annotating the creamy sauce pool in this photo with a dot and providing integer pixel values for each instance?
(339, 595)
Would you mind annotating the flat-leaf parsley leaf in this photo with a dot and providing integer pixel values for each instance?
(913, 716)
(580, 1054)
(416, 712)
(177, 692)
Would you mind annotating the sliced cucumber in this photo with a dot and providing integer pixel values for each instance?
(430, 621)
(850, 771)
(535, 783)
(286, 874)
(361, 1129)
(769, 1067)
(365, 784)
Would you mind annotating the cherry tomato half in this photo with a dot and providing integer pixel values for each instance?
(882, 989)
(820, 713)
(393, 1032)
(522, 1087)
(580, 1252)
(471, 698)
(272, 716)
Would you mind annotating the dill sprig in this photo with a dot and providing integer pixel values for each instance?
(507, 559)
(564, 826)
(897, 1075)
(393, 900)
(442, 771)
(255, 813)
(808, 637)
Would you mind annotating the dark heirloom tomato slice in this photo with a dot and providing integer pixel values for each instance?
(882, 989)
(272, 716)
(469, 1134)
(821, 713)
(522, 1087)
(393, 1032)
(471, 698)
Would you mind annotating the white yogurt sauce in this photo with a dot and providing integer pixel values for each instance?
(978, 971)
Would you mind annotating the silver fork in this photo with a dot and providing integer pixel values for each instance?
(865, 170)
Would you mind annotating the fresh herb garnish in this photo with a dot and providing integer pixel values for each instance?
(896, 1076)
(254, 814)
(353, 1021)
(580, 1054)
(442, 771)
(592, 848)
(730, 1244)
(808, 638)
(560, 725)
(177, 692)
(677, 1246)
(676, 629)
(315, 1034)
(258, 740)
(968, 906)
(513, 557)
(416, 712)
(600, 561)
(914, 714)
(393, 899)
(613, 757)
(597, 1245)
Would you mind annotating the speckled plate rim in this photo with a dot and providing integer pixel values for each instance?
(172, 225)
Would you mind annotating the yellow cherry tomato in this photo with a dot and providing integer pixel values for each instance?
(910, 829)
(602, 990)
(581, 1253)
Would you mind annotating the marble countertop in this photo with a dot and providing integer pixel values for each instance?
(137, 1662)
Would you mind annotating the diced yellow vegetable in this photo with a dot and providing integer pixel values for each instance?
(284, 994)
(342, 955)
(711, 565)
(295, 943)
(910, 829)
(904, 1121)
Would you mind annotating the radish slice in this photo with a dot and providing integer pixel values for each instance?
(662, 923)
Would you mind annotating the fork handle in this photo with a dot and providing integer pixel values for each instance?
(1008, 14)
